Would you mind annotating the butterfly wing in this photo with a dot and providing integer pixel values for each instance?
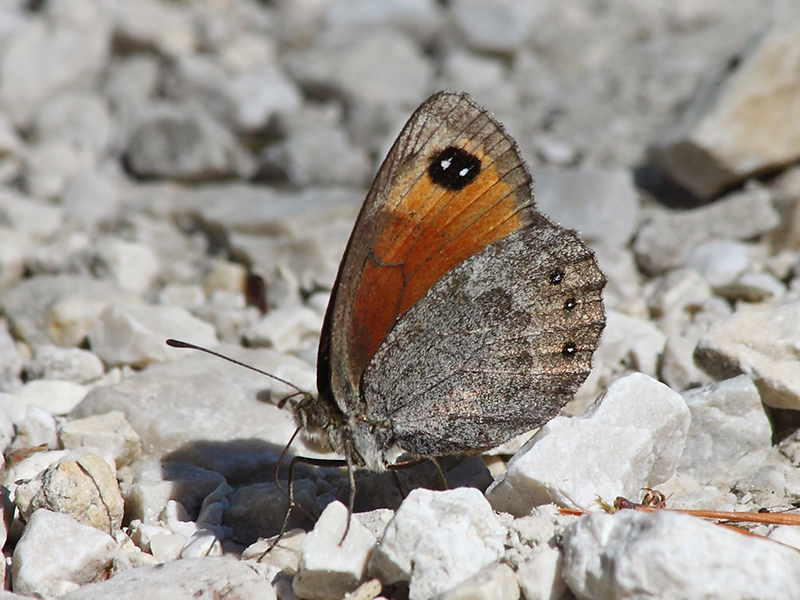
(452, 184)
(496, 348)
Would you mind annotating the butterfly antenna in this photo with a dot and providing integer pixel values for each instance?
(179, 344)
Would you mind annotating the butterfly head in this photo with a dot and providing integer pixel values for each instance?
(363, 444)
(315, 419)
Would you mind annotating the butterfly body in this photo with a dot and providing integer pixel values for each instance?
(461, 316)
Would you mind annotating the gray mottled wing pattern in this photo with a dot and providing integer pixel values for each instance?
(500, 344)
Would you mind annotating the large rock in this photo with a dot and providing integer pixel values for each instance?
(742, 124)
(631, 437)
(671, 556)
(762, 343)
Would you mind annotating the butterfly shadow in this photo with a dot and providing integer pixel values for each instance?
(256, 506)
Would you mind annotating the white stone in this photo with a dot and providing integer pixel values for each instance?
(90, 198)
(7, 432)
(130, 83)
(602, 205)
(331, 566)
(742, 123)
(30, 216)
(730, 435)
(630, 342)
(754, 287)
(185, 295)
(56, 555)
(69, 364)
(68, 250)
(110, 431)
(175, 407)
(60, 309)
(225, 275)
(760, 342)
(484, 77)
(166, 28)
(134, 334)
(304, 232)
(188, 579)
(82, 485)
(495, 26)
(677, 368)
(51, 165)
(55, 396)
(775, 484)
(257, 95)
(14, 247)
(286, 329)
(30, 467)
(142, 533)
(81, 118)
(498, 582)
(676, 296)
(540, 576)
(246, 52)
(178, 519)
(285, 556)
(672, 556)
(167, 546)
(131, 265)
(185, 144)
(213, 512)
(719, 261)
(665, 238)
(10, 142)
(260, 509)
(438, 540)
(345, 19)
(631, 437)
(38, 427)
(321, 156)
(786, 534)
(383, 69)
(203, 542)
(44, 58)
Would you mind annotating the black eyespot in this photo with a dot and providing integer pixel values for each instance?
(570, 304)
(556, 276)
(569, 349)
(454, 168)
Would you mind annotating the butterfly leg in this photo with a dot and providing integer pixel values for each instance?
(442, 478)
(352, 477)
(315, 462)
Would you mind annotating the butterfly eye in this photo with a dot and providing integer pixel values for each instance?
(454, 168)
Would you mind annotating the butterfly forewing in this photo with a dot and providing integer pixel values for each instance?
(452, 184)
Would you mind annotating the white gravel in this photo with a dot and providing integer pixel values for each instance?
(156, 156)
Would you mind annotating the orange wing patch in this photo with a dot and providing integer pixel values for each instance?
(440, 213)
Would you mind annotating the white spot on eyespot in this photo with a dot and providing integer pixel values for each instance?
(463, 172)
(445, 164)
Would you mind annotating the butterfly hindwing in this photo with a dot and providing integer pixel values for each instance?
(501, 343)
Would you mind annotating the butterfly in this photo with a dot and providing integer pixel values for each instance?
(461, 316)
